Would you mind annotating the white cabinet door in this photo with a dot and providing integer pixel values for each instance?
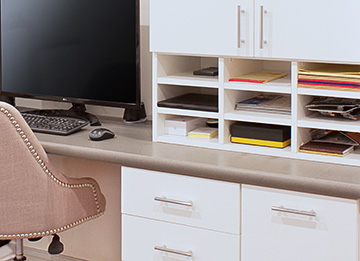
(146, 239)
(317, 30)
(324, 228)
(212, 27)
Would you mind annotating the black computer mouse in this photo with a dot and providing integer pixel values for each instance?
(101, 134)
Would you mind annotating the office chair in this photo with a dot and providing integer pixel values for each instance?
(37, 200)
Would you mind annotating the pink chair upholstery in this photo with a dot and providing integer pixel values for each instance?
(36, 199)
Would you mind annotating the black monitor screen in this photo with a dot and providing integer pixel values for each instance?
(71, 50)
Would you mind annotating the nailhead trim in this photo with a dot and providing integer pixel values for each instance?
(56, 180)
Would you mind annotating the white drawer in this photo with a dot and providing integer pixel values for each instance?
(141, 236)
(326, 228)
(211, 204)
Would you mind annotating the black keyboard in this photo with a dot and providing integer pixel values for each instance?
(53, 124)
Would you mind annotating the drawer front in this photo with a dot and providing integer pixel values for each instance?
(181, 199)
(145, 239)
(280, 225)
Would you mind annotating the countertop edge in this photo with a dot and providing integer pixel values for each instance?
(228, 174)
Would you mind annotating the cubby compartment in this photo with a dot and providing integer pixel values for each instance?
(238, 67)
(179, 70)
(338, 80)
(170, 129)
(314, 119)
(324, 153)
(254, 110)
(262, 146)
(202, 103)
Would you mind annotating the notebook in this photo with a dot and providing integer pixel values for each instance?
(192, 101)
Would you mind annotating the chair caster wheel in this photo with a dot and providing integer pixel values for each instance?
(55, 247)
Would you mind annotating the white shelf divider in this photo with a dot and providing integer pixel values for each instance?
(188, 79)
(192, 113)
(317, 121)
(330, 93)
(259, 117)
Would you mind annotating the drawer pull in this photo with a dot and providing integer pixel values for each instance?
(173, 251)
(174, 201)
(310, 213)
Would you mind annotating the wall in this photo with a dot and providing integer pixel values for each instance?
(146, 79)
(98, 239)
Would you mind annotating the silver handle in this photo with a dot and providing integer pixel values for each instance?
(310, 213)
(173, 251)
(262, 12)
(174, 201)
(239, 40)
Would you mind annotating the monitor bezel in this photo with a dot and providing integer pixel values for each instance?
(126, 105)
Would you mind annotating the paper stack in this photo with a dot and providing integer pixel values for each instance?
(331, 77)
(258, 77)
(266, 103)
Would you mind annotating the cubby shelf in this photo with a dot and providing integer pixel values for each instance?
(261, 117)
(193, 113)
(314, 120)
(173, 76)
(188, 79)
(338, 94)
(255, 87)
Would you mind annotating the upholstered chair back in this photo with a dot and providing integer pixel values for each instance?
(35, 198)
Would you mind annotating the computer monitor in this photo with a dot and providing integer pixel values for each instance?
(82, 52)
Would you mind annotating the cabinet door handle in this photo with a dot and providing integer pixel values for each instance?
(173, 251)
(310, 213)
(262, 41)
(174, 201)
(239, 40)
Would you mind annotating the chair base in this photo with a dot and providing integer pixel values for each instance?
(19, 250)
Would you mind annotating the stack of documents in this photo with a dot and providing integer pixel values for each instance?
(258, 77)
(331, 77)
(266, 103)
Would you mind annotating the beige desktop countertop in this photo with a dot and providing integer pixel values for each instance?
(132, 146)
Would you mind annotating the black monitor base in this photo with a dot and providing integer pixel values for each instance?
(135, 115)
(76, 111)
(10, 100)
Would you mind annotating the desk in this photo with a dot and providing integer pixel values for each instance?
(133, 147)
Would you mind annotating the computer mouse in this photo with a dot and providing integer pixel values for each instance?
(101, 134)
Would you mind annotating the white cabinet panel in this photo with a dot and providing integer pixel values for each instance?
(198, 202)
(277, 235)
(141, 236)
(317, 30)
(214, 27)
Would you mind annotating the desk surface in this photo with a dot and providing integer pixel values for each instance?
(133, 147)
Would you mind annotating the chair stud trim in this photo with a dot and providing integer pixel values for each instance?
(56, 180)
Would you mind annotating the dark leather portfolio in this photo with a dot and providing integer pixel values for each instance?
(192, 101)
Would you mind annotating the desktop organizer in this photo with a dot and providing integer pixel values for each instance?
(173, 76)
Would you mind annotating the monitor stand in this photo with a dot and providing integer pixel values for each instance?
(8, 99)
(76, 111)
(135, 115)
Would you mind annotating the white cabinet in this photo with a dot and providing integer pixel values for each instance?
(209, 27)
(280, 225)
(316, 30)
(174, 217)
(306, 30)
